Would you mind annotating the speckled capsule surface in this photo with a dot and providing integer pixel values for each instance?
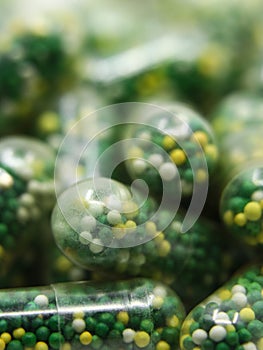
(238, 124)
(26, 197)
(100, 226)
(231, 318)
(172, 146)
(135, 314)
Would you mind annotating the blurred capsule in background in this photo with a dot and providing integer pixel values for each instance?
(239, 125)
(37, 66)
(26, 198)
(131, 314)
(230, 318)
(176, 144)
(103, 226)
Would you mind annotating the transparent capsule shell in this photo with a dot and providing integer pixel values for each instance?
(238, 123)
(178, 146)
(26, 198)
(101, 227)
(121, 315)
(230, 318)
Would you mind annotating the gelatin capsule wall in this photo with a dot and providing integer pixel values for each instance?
(230, 318)
(121, 315)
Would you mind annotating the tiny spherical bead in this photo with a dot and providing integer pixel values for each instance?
(211, 151)
(252, 211)
(159, 291)
(200, 137)
(238, 288)
(139, 165)
(29, 339)
(157, 302)
(18, 333)
(6, 337)
(221, 317)
(114, 217)
(27, 200)
(128, 335)
(240, 299)
(168, 171)
(164, 248)
(168, 142)
(199, 335)
(250, 346)
(173, 321)
(150, 227)
(162, 345)
(41, 346)
(178, 156)
(224, 294)
(23, 214)
(96, 208)
(217, 333)
(85, 338)
(257, 195)
(78, 324)
(240, 219)
(88, 223)
(66, 346)
(141, 339)
(41, 300)
(79, 314)
(6, 180)
(14, 345)
(246, 314)
(96, 246)
(155, 160)
(85, 237)
(123, 317)
(55, 340)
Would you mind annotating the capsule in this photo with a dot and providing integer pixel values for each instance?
(177, 143)
(26, 198)
(100, 226)
(231, 318)
(238, 123)
(38, 67)
(135, 314)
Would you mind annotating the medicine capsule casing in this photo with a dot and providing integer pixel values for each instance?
(241, 206)
(176, 145)
(107, 231)
(139, 314)
(26, 197)
(231, 318)
(96, 215)
(238, 125)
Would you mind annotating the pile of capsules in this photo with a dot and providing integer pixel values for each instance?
(138, 225)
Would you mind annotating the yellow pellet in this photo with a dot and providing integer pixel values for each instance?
(123, 317)
(85, 338)
(142, 339)
(240, 219)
